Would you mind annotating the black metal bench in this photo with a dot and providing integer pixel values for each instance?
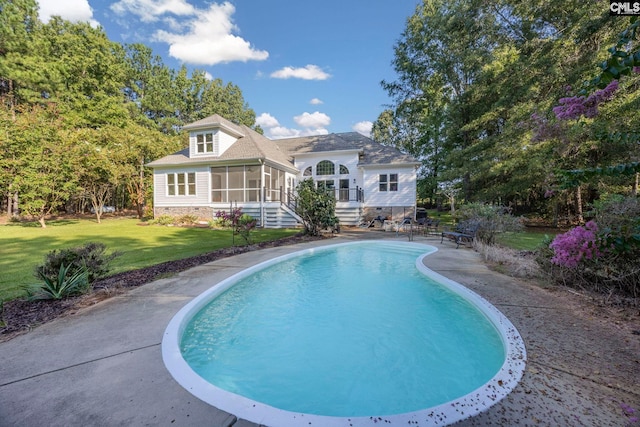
(465, 232)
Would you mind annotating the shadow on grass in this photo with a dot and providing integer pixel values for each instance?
(36, 224)
(140, 246)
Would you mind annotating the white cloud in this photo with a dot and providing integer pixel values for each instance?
(280, 132)
(318, 131)
(363, 128)
(312, 124)
(313, 120)
(209, 40)
(172, 23)
(71, 10)
(266, 120)
(316, 101)
(310, 72)
(151, 10)
(208, 76)
(200, 36)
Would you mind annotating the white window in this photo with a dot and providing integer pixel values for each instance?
(393, 182)
(325, 167)
(206, 143)
(388, 182)
(181, 184)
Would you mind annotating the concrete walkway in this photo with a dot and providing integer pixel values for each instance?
(103, 365)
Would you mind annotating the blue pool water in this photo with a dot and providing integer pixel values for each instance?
(347, 331)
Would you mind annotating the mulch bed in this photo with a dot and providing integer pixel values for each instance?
(20, 315)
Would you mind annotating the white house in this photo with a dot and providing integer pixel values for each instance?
(232, 165)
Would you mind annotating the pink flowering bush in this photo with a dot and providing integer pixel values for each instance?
(602, 255)
(577, 244)
(241, 223)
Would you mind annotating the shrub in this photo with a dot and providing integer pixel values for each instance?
(241, 223)
(69, 281)
(186, 219)
(163, 220)
(90, 256)
(603, 254)
(491, 220)
(577, 244)
(316, 207)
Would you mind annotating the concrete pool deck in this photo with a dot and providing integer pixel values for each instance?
(103, 366)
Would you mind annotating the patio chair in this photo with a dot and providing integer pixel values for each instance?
(465, 232)
(431, 226)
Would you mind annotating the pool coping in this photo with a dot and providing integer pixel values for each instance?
(479, 400)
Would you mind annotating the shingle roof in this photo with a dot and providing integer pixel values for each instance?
(252, 145)
(215, 121)
(374, 153)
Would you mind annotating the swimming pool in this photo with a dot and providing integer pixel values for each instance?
(344, 335)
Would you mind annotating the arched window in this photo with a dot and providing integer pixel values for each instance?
(325, 167)
(344, 170)
(307, 171)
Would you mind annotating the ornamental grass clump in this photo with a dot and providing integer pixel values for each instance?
(70, 281)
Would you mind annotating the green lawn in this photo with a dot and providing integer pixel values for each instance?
(24, 245)
(527, 240)
(524, 240)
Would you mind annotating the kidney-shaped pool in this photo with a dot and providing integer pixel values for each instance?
(349, 334)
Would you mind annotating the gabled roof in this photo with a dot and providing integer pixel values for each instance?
(251, 145)
(214, 122)
(373, 153)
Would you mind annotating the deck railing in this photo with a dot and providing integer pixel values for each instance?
(289, 197)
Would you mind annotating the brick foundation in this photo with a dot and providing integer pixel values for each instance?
(204, 213)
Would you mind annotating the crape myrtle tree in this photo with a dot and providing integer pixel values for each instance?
(96, 171)
(602, 255)
(490, 65)
(48, 163)
(131, 148)
(103, 111)
(612, 100)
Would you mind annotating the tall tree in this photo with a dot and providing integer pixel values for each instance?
(48, 166)
(132, 148)
(439, 56)
(90, 71)
(21, 74)
(497, 63)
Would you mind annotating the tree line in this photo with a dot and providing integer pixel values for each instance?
(486, 94)
(81, 115)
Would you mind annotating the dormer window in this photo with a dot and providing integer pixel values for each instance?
(207, 143)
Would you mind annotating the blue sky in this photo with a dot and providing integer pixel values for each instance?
(304, 67)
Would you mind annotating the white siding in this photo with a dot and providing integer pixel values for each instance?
(221, 142)
(161, 198)
(193, 149)
(406, 194)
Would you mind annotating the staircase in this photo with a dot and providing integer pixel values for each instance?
(280, 216)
